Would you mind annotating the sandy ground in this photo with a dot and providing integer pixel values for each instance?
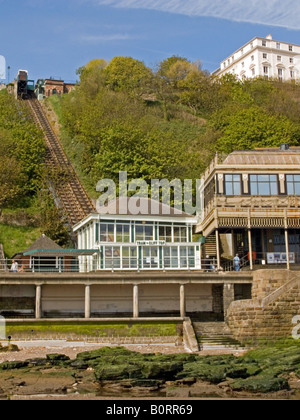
(39, 349)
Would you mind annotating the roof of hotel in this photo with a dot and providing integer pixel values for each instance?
(140, 206)
(271, 156)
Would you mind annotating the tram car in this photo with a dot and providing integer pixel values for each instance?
(25, 87)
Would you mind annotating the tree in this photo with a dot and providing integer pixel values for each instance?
(127, 74)
(252, 127)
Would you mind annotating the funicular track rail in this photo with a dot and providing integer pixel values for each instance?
(70, 192)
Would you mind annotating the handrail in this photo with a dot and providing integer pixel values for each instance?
(279, 292)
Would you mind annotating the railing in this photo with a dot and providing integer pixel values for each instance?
(92, 264)
(264, 260)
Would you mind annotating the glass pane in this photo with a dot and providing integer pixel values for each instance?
(297, 188)
(253, 188)
(148, 233)
(290, 188)
(110, 233)
(263, 188)
(237, 178)
(228, 188)
(263, 178)
(139, 233)
(274, 189)
(183, 235)
(237, 188)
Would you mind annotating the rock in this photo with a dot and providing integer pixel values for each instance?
(13, 365)
(263, 384)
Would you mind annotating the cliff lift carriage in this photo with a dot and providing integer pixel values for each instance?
(25, 87)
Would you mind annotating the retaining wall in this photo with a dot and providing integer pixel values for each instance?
(269, 314)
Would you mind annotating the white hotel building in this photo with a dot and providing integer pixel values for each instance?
(263, 57)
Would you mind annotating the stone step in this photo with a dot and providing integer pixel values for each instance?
(215, 336)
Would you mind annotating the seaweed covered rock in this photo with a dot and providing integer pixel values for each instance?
(58, 359)
(13, 365)
(165, 371)
(261, 383)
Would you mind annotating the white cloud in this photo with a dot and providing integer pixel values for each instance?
(283, 13)
(98, 39)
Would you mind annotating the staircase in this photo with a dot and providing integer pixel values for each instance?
(210, 247)
(215, 336)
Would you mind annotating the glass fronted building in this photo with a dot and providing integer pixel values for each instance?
(162, 241)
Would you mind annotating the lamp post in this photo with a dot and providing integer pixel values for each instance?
(8, 73)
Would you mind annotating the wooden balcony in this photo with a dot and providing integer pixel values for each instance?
(250, 212)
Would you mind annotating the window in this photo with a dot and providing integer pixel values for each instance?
(209, 192)
(278, 46)
(143, 233)
(265, 55)
(107, 232)
(280, 74)
(253, 72)
(278, 57)
(180, 234)
(123, 233)
(252, 57)
(243, 64)
(264, 43)
(292, 73)
(291, 60)
(266, 71)
(290, 48)
(293, 184)
(165, 233)
(233, 185)
(263, 185)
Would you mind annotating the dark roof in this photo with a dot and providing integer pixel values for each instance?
(145, 207)
(43, 243)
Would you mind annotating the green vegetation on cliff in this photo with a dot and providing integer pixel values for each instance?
(168, 122)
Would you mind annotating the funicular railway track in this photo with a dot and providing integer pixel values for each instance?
(70, 192)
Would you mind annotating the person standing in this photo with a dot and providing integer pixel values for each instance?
(14, 266)
(237, 263)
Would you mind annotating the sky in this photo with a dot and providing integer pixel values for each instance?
(53, 38)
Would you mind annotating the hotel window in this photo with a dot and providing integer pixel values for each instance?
(291, 60)
(292, 73)
(293, 184)
(278, 57)
(253, 72)
(278, 45)
(263, 185)
(266, 71)
(280, 74)
(290, 48)
(264, 43)
(252, 57)
(265, 55)
(233, 185)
